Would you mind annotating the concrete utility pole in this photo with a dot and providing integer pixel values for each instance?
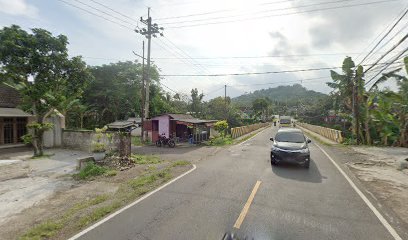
(143, 93)
(356, 123)
(142, 90)
(152, 30)
(225, 99)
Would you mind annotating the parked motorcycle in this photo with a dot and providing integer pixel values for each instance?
(163, 140)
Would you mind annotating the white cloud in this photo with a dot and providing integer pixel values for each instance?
(18, 8)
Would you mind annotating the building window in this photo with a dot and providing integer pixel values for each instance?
(8, 131)
(21, 128)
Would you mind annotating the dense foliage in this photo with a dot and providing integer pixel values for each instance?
(37, 65)
(381, 115)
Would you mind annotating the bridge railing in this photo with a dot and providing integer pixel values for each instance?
(332, 134)
(239, 131)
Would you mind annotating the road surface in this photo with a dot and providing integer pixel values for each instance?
(289, 202)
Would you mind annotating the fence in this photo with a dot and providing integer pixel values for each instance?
(239, 131)
(83, 139)
(329, 133)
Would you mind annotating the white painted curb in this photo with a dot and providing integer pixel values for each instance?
(130, 205)
(380, 217)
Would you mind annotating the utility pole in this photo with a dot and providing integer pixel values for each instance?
(225, 99)
(142, 90)
(152, 30)
(356, 128)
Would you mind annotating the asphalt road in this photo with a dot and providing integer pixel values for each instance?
(290, 203)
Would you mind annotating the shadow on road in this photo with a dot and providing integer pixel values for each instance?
(297, 172)
(163, 150)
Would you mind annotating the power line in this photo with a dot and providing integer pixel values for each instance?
(257, 73)
(390, 50)
(97, 15)
(257, 12)
(167, 48)
(385, 35)
(99, 10)
(186, 54)
(386, 66)
(268, 56)
(283, 14)
(113, 10)
(218, 11)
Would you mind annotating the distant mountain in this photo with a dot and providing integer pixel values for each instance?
(288, 95)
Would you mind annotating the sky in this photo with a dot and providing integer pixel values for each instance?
(204, 37)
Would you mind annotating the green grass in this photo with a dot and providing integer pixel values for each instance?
(137, 141)
(110, 173)
(42, 231)
(90, 170)
(97, 214)
(87, 212)
(50, 228)
(180, 163)
(220, 141)
(145, 159)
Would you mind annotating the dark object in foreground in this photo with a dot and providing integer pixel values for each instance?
(233, 236)
(163, 140)
(290, 145)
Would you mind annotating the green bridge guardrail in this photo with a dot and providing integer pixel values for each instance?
(332, 134)
(239, 131)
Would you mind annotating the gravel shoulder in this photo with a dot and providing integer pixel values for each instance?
(46, 198)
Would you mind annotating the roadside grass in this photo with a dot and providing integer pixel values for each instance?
(49, 228)
(180, 163)
(220, 141)
(90, 171)
(137, 141)
(87, 212)
(145, 159)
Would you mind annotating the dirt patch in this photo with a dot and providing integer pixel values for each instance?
(377, 168)
(80, 203)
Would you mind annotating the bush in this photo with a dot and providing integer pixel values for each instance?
(220, 141)
(91, 170)
(221, 127)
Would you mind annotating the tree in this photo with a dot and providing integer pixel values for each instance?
(260, 105)
(221, 127)
(37, 65)
(344, 85)
(196, 101)
(400, 101)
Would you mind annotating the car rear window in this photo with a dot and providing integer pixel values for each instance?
(295, 137)
(285, 121)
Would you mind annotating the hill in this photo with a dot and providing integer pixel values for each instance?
(289, 95)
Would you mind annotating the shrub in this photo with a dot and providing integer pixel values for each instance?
(90, 170)
(221, 127)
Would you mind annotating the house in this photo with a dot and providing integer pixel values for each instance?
(13, 120)
(180, 126)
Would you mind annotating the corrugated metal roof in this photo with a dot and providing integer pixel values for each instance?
(13, 112)
(180, 116)
(120, 124)
(194, 120)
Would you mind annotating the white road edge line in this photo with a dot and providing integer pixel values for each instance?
(252, 136)
(130, 205)
(380, 217)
